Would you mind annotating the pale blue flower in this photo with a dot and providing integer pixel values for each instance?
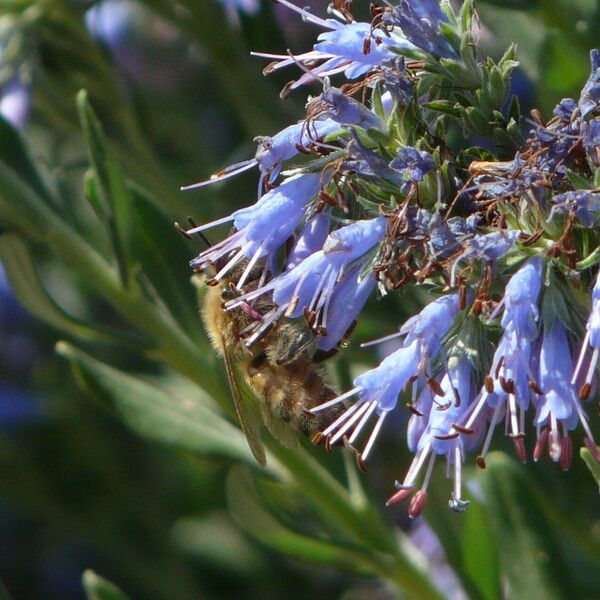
(308, 288)
(487, 247)
(347, 111)
(353, 49)
(348, 299)
(590, 94)
(310, 240)
(585, 204)
(420, 22)
(260, 229)
(273, 151)
(379, 388)
(434, 427)
(559, 409)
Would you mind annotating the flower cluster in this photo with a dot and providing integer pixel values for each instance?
(377, 189)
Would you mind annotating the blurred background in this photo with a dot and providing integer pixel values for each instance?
(180, 97)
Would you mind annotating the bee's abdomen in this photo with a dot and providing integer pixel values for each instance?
(291, 390)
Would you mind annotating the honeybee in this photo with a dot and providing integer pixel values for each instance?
(277, 368)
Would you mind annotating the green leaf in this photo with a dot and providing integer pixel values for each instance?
(26, 284)
(14, 153)
(161, 252)
(591, 463)
(98, 588)
(529, 553)
(108, 195)
(247, 508)
(479, 552)
(189, 422)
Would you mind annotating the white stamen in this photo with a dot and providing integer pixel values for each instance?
(363, 421)
(336, 400)
(306, 16)
(476, 410)
(374, 435)
(355, 417)
(195, 230)
(592, 367)
(429, 471)
(457, 473)
(490, 433)
(276, 314)
(236, 259)
(345, 415)
(582, 354)
(231, 171)
(513, 414)
(380, 340)
(249, 267)
(416, 466)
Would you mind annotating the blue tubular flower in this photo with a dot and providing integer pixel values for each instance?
(487, 247)
(591, 340)
(409, 168)
(353, 49)
(346, 111)
(261, 228)
(311, 239)
(396, 81)
(378, 389)
(591, 140)
(436, 434)
(590, 94)
(308, 288)
(273, 151)
(413, 164)
(559, 407)
(585, 204)
(420, 22)
(520, 299)
(348, 299)
(507, 387)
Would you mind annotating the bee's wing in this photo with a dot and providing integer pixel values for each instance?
(250, 425)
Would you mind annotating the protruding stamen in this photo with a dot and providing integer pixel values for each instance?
(363, 421)
(540, 445)
(199, 228)
(355, 417)
(417, 504)
(226, 173)
(335, 401)
(249, 267)
(306, 16)
(566, 453)
(582, 353)
(399, 496)
(374, 435)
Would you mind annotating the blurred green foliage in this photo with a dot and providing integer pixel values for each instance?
(138, 469)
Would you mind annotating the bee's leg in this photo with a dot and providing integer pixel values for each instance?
(256, 363)
(292, 347)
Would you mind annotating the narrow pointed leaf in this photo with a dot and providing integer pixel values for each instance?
(98, 588)
(520, 529)
(14, 153)
(247, 508)
(591, 463)
(27, 286)
(188, 422)
(109, 195)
